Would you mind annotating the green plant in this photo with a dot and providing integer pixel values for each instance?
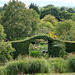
(62, 53)
(6, 51)
(27, 66)
(59, 65)
(3, 71)
(35, 53)
(71, 61)
(2, 34)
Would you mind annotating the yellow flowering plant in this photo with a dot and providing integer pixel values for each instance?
(51, 34)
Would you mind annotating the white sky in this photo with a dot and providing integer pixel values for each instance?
(44, 2)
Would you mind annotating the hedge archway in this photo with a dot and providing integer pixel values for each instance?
(22, 46)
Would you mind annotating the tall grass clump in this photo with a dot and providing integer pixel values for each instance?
(28, 66)
(3, 70)
(71, 62)
(59, 65)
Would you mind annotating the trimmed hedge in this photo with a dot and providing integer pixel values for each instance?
(22, 46)
(70, 46)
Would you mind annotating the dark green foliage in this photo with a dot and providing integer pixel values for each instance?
(71, 10)
(21, 48)
(29, 66)
(0, 9)
(53, 11)
(35, 53)
(4, 7)
(35, 7)
(48, 6)
(59, 65)
(70, 46)
(71, 61)
(65, 15)
(56, 47)
(62, 8)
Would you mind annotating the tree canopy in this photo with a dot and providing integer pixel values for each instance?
(18, 21)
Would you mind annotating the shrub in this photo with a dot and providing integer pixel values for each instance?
(6, 51)
(35, 53)
(29, 66)
(59, 65)
(71, 61)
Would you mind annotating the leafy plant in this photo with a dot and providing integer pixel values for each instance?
(35, 53)
(71, 61)
(6, 51)
(27, 66)
(59, 65)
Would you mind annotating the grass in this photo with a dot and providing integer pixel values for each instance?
(57, 74)
(51, 74)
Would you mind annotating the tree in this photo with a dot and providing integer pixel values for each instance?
(70, 10)
(18, 21)
(65, 15)
(50, 18)
(62, 8)
(64, 30)
(54, 11)
(48, 6)
(0, 9)
(73, 17)
(35, 7)
(4, 7)
(2, 34)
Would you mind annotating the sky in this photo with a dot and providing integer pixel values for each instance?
(41, 3)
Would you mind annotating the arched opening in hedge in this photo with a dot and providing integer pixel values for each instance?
(22, 46)
(38, 48)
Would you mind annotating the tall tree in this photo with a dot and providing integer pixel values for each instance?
(35, 7)
(18, 21)
(54, 11)
(70, 10)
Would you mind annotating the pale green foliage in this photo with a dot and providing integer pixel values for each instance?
(5, 51)
(49, 25)
(2, 34)
(43, 30)
(50, 18)
(66, 30)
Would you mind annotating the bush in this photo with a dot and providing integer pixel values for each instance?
(6, 51)
(35, 53)
(71, 61)
(59, 65)
(3, 71)
(29, 66)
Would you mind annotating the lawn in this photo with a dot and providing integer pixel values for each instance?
(57, 74)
